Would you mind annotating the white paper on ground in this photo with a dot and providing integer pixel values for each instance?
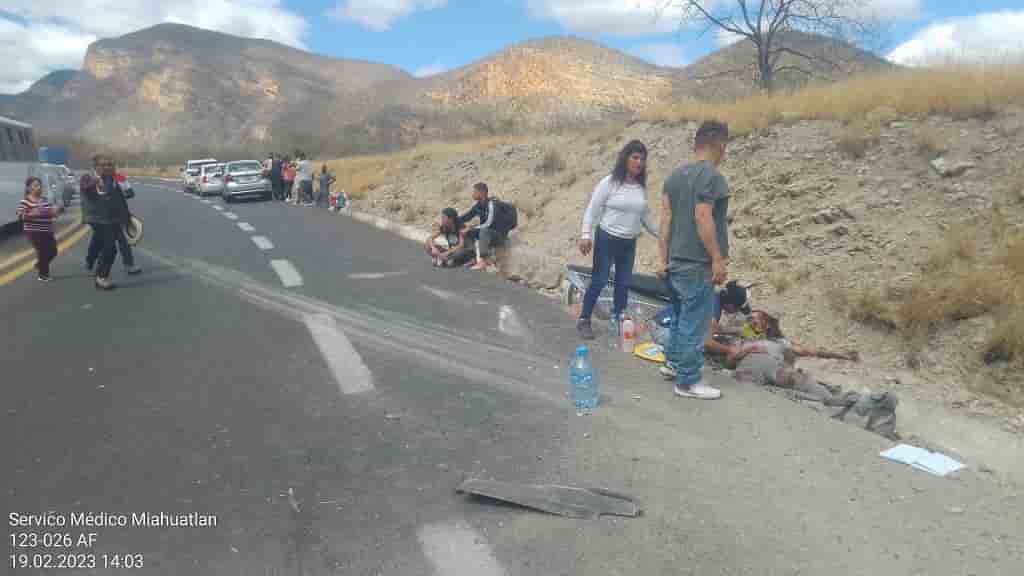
(931, 462)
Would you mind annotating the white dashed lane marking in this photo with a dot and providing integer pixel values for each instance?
(246, 227)
(231, 215)
(218, 208)
(289, 276)
(347, 367)
(263, 243)
(458, 550)
(205, 201)
(375, 275)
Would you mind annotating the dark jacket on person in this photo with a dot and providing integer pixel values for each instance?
(109, 207)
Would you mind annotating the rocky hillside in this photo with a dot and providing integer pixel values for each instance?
(173, 91)
(854, 238)
(174, 87)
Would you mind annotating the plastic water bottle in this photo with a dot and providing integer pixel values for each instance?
(614, 333)
(581, 376)
(628, 334)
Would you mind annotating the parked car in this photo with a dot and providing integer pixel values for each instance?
(244, 178)
(211, 179)
(70, 184)
(190, 173)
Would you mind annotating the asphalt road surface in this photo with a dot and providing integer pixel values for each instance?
(319, 390)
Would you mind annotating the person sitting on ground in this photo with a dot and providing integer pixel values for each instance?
(447, 245)
(767, 357)
(734, 299)
(486, 234)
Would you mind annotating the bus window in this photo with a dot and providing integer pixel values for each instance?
(21, 137)
(10, 135)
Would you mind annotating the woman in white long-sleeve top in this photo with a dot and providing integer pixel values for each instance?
(618, 209)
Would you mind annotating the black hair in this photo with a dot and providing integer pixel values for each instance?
(29, 181)
(482, 187)
(774, 329)
(619, 172)
(736, 295)
(452, 215)
(711, 132)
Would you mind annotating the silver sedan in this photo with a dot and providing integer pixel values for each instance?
(244, 178)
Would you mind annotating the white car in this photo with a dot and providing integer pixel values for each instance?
(210, 179)
(190, 173)
(244, 178)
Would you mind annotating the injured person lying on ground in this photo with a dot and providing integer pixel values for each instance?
(766, 357)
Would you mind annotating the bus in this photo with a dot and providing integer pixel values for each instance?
(19, 161)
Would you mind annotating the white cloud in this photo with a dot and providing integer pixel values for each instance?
(379, 15)
(642, 17)
(986, 37)
(612, 17)
(429, 70)
(55, 35)
(662, 54)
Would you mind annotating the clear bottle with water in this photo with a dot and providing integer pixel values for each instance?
(581, 377)
(614, 333)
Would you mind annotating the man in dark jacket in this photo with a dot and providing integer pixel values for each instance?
(276, 177)
(103, 205)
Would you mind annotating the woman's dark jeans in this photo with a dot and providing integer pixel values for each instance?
(610, 250)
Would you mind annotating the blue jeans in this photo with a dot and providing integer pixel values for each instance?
(608, 250)
(692, 294)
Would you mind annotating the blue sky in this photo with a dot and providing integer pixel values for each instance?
(425, 36)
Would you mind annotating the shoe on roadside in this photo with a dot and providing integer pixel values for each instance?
(699, 391)
(44, 279)
(104, 284)
(585, 329)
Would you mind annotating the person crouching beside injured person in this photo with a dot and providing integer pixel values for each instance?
(487, 233)
(734, 299)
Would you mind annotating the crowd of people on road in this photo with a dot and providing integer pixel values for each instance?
(292, 181)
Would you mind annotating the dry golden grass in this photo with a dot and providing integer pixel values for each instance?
(867, 307)
(781, 282)
(930, 142)
(359, 176)
(956, 91)
(959, 245)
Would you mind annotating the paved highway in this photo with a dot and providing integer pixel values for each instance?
(319, 389)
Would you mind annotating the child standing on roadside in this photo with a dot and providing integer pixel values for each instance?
(37, 215)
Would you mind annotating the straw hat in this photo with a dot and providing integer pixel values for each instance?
(133, 230)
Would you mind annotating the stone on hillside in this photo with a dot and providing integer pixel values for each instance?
(907, 187)
(947, 170)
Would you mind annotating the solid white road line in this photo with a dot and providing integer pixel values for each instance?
(231, 215)
(375, 275)
(458, 550)
(263, 243)
(246, 227)
(351, 374)
(289, 276)
(206, 202)
(442, 294)
(218, 208)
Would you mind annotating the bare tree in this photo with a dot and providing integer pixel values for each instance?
(765, 24)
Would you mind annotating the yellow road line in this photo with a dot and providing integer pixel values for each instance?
(29, 252)
(61, 248)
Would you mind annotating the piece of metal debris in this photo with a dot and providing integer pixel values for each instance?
(569, 501)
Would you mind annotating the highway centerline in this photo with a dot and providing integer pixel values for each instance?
(288, 274)
(263, 243)
(246, 227)
(346, 365)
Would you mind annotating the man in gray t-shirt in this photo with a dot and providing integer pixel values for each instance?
(694, 248)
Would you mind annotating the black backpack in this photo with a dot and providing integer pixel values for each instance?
(506, 217)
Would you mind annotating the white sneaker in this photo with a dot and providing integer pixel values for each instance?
(700, 391)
